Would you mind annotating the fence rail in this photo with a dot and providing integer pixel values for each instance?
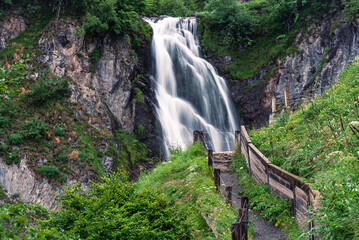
(284, 184)
(240, 227)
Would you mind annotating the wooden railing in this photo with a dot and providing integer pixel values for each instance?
(240, 227)
(284, 184)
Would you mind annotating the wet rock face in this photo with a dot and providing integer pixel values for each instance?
(107, 84)
(10, 28)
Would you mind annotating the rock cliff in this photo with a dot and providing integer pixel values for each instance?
(325, 48)
(108, 77)
(110, 84)
(10, 28)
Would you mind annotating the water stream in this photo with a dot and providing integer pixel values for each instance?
(190, 94)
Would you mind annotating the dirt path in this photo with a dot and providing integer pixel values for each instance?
(263, 230)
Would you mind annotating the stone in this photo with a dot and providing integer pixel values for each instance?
(10, 28)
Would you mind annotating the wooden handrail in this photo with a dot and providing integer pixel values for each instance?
(293, 180)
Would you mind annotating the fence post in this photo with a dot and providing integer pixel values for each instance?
(235, 231)
(294, 201)
(195, 136)
(210, 158)
(310, 224)
(237, 137)
(249, 160)
(244, 223)
(267, 169)
(229, 195)
(217, 180)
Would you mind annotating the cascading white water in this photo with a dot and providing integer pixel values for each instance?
(190, 94)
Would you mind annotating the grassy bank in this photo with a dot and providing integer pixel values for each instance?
(188, 182)
(320, 143)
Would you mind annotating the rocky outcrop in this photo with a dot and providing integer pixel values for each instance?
(324, 50)
(327, 49)
(10, 28)
(108, 77)
(22, 180)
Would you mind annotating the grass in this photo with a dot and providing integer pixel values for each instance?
(188, 181)
(320, 143)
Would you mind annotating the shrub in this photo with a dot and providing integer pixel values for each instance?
(8, 110)
(59, 131)
(46, 90)
(49, 171)
(112, 16)
(3, 147)
(232, 21)
(83, 156)
(15, 139)
(12, 157)
(61, 158)
(111, 209)
(34, 129)
(63, 179)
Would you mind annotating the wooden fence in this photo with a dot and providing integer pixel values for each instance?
(284, 184)
(240, 227)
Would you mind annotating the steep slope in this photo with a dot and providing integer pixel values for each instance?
(320, 144)
(84, 113)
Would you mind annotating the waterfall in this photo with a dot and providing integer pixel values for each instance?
(190, 94)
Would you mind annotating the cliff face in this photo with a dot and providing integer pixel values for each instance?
(115, 86)
(329, 48)
(324, 50)
(110, 84)
(10, 28)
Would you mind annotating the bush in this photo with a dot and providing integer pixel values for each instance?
(232, 21)
(49, 171)
(34, 129)
(12, 157)
(112, 16)
(15, 139)
(112, 209)
(61, 158)
(59, 131)
(4, 147)
(8, 110)
(46, 90)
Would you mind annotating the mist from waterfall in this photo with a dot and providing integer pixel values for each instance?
(190, 95)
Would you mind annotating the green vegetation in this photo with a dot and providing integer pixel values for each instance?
(320, 144)
(173, 201)
(275, 210)
(256, 33)
(47, 88)
(351, 8)
(42, 122)
(49, 171)
(11, 77)
(188, 181)
(15, 139)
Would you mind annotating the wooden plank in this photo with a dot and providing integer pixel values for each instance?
(245, 134)
(280, 189)
(259, 154)
(279, 180)
(284, 174)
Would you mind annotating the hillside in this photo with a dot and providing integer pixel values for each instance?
(320, 143)
(83, 154)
